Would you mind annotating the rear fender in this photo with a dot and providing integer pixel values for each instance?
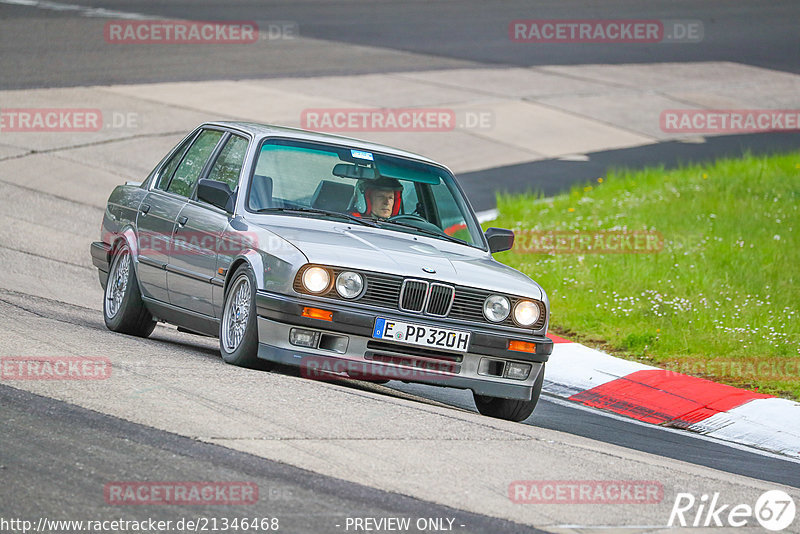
(127, 236)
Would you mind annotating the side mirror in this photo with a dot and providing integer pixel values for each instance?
(217, 194)
(499, 239)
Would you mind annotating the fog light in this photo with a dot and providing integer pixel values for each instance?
(303, 338)
(518, 371)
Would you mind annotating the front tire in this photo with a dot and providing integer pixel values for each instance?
(123, 309)
(238, 329)
(510, 409)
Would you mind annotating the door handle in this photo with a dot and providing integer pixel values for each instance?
(182, 220)
(144, 208)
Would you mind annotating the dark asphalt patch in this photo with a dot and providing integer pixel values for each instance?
(56, 458)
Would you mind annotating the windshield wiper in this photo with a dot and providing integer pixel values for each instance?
(315, 211)
(432, 233)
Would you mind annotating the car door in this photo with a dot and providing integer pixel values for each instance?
(155, 222)
(198, 233)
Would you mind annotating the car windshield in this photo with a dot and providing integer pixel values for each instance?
(324, 181)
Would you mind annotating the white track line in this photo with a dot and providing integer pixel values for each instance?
(483, 216)
(83, 11)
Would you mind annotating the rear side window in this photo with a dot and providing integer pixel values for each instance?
(188, 171)
(229, 163)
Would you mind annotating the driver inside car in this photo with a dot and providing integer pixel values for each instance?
(382, 197)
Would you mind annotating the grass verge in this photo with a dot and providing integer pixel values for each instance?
(719, 300)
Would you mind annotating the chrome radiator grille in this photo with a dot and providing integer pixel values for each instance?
(440, 299)
(413, 295)
(430, 298)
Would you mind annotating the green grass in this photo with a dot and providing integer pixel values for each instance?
(720, 300)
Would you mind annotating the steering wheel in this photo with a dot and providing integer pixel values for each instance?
(409, 217)
(412, 219)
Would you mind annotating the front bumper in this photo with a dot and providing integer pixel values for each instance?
(353, 349)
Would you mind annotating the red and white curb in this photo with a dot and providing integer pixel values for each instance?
(652, 395)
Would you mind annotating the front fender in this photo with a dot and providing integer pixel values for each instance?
(273, 273)
(274, 260)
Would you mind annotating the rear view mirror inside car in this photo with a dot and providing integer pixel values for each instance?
(348, 170)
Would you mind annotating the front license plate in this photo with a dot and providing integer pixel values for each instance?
(418, 334)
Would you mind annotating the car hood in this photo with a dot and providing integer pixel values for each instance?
(404, 254)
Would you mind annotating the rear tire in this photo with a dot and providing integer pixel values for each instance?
(510, 409)
(123, 309)
(238, 328)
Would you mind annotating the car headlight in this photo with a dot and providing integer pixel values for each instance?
(316, 279)
(349, 284)
(526, 313)
(496, 308)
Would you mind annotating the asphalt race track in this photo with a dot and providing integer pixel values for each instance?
(447, 34)
(122, 450)
(321, 453)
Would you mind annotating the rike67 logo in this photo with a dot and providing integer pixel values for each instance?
(774, 510)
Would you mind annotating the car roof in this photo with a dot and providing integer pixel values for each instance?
(268, 130)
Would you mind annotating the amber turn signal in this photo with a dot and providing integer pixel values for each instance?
(522, 346)
(316, 313)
